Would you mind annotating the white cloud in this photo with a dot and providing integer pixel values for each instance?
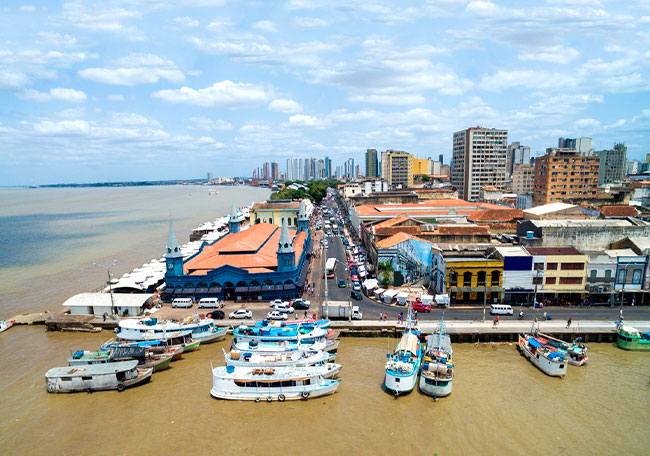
(185, 22)
(309, 22)
(504, 79)
(586, 124)
(207, 124)
(209, 141)
(551, 54)
(115, 97)
(63, 127)
(55, 94)
(27, 8)
(56, 39)
(11, 80)
(94, 17)
(265, 25)
(304, 120)
(224, 94)
(285, 106)
(135, 69)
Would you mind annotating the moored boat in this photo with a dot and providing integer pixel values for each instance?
(576, 351)
(403, 365)
(438, 365)
(629, 338)
(6, 324)
(272, 383)
(549, 361)
(96, 377)
(300, 358)
(275, 333)
(146, 358)
(172, 338)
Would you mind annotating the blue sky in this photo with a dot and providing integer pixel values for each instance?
(157, 89)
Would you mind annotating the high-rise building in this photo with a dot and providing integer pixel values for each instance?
(397, 168)
(348, 168)
(581, 145)
(266, 171)
(339, 172)
(320, 169)
(441, 160)
(612, 164)
(562, 174)
(523, 180)
(209, 178)
(479, 159)
(371, 163)
(356, 171)
(421, 165)
(435, 167)
(516, 155)
(275, 172)
(328, 167)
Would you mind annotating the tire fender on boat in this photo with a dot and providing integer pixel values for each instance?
(281, 397)
(269, 399)
(120, 387)
(257, 399)
(305, 394)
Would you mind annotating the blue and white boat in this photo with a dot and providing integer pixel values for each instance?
(299, 358)
(202, 329)
(403, 365)
(309, 322)
(438, 365)
(273, 333)
(284, 346)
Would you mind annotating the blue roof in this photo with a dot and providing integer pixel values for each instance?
(534, 342)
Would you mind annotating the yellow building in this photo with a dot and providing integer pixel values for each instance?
(397, 168)
(275, 211)
(565, 272)
(420, 166)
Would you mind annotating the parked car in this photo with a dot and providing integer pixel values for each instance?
(342, 283)
(216, 315)
(240, 314)
(210, 302)
(356, 295)
(300, 304)
(284, 308)
(356, 286)
(276, 315)
(354, 277)
(421, 307)
(277, 302)
(182, 302)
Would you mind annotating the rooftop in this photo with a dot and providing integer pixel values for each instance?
(605, 223)
(618, 211)
(277, 205)
(614, 253)
(548, 208)
(432, 206)
(553, 251)
(104, 300)
(512, 250)
(398, 239)
(496, 215)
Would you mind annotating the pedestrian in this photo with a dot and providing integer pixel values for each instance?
(400, 318)
(104, 316)
(305, 314)
(568, 322)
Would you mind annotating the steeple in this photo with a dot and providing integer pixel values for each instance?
(303, 218)
(286, 254)
(173, 254)
(233, 223)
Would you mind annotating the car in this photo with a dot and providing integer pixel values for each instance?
(356, 286)
(300, 304)
(240, 314)
(421, 307)
(277, 302)
(182, 302)
(345, 242)
(356, 295)
(342, 283)
(354, 276)
(216, 315)
(284, 308)
(276, 315)
(210, 302)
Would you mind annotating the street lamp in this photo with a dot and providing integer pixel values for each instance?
(624, 271)
(110, 285)
(487, 257)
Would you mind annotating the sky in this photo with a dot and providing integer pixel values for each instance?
(116, 90)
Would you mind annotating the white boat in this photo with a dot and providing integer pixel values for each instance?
(272, 383)
(6, 324)
(96, 377)
(202, 329)
(330, 346)
(300, 358)
(549, 361)
(438, 366)
(403, 365)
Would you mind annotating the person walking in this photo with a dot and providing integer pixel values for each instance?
(568, 322)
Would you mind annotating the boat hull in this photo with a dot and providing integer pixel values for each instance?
(634, 344)
(191, 346)
(553, 369)
(144, 375)
(400, 384)
(212, 337)
(435, 387)
(273, 394)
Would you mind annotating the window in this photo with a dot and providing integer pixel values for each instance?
(550, 281)
(551, 266)
(621, 276)
(453, 278)
(608, 273)
(570, 280)
(467, 279)
(636, 276)
(573, 266)
(594, 273)
(480, 278)
(539, 266)
(495, 278)
(537, 280)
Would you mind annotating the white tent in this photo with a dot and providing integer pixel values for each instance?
(378, 292)
(426, 299)
(389, 295)
(442, 300)
(370, 284)
(401, 297)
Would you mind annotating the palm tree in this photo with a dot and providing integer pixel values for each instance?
(385, 270)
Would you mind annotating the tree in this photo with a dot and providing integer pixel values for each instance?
(385, 271)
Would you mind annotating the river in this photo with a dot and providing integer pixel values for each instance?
(501, 404)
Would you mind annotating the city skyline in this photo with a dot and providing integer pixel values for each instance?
(114, 90)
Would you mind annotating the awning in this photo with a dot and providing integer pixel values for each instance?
(303, 276)
(188, 291)
(268, 287)
(534, 342)
(254, 289)
(401, 297)
(241, 289)
(426, 299)
(202, 290)
(475, 289)
(279, 287)
(289, 287)
(390, 293)
(214, 290)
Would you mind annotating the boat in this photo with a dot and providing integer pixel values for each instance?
(146, 358)
(203, 329)
(629, 338)
(550, 361)
(438, 366)
(178, 337)
(324, 323)
(156, 346)
(404, 363)
(576, 351)
(275, 333)
(330, 346)
(294, 358)
(272, 383)
(6, 324)
(96, 377)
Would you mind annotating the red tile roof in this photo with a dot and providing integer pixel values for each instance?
(553, 251)
(461, 230)
(392, 221)
(398, 239)
(496, 215)
(618, 211)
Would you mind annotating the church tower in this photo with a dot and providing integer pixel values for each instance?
(173, 255)
(303, 218)
(233, 223)
(286, 254)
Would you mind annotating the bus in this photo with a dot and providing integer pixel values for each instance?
(330, 266)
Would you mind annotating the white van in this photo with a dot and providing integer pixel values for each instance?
(209, 302)
(500, 309)
(182, 302)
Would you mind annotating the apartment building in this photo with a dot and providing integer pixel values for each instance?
(523, 180)
(478, 160)
(562, 174)
(371, 163)
(397, 168)
(612, 165)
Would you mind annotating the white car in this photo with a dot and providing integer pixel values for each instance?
(284, 308)
(277, 302)
(240, 314)
(276, 315)
(356, 286)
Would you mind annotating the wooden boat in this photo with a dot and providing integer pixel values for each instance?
(629, 338)
(404, 363)
(438, 366)
(6, 324)
(182, 338)
(549, 361)
(156, 346)
(576, 352)
(146, 358)
(272, 383)
(96, 377)
(283, 359)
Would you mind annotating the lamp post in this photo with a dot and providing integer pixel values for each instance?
(622, 290)
(535, 293)
(487, 257)
(110, 285)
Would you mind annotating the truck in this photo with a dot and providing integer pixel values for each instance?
(334, 309)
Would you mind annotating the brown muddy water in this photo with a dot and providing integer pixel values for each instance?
(501, 404)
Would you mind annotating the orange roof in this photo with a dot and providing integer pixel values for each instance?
(618, 211)
(422, 207)
(461, 229)
(398, 239)
(254, 249)
(390, 230)
(496, 215)
(392, 221)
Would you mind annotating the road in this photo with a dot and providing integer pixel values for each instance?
(371, 309)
